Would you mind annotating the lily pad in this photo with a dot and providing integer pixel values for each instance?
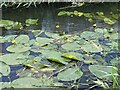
(22, 39)
(13, 59)
(9, 38)
(29, 82)
(104, 72)
(109, 21)
(70, 74)
(71, 46)
(6, 23)
(73, 55)
(53, 35)
(90, 35)
(91, 47)
(43, 41)
(17, 25)
(111, 35)
(18, 48)
(31, 21)
(4, 85)
(26, 82)
(4, 69)
(54, 56)
(1, 39)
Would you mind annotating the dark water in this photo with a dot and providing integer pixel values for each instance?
(48, 19)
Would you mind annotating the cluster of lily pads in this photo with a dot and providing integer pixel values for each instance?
(108, 19)
(53, 58)
(9, 24)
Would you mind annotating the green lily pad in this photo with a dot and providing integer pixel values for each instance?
(4, 69)
(54, 56)
(31, 21)
(13, 59)
(4, 85)
(43, 41)
(73, 55)
(101, 31)
(71, 46)
(104, 72)
(17, 25)
(22, 39)
(91, 47)
(18, 48)
(26, 82)
(90, 35)
(109, 21)
(6, 23)
(9, 38)
(37, 32)
(1, 39)
(70, 74)
(53, 35)
(111, 35)
(41, 82)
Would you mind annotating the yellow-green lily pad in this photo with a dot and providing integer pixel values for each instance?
(18, 48)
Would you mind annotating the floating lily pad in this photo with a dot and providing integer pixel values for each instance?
(13, 59)
(109, 21)
(101, 31)
(90, 35)
(29, 82)
(17, 25)
(54, 56)
(4, 85)
(18, 48)
(37, 32)
(22, 39)
(6, 23)
(43, 41)
(70, 74)
(53, 35)
(73, 55)
(26, 82)
(91, 47)
(71, 46)
(31, 21)
(111, 35)
(1, 39)
(9, 38)
(104, 72)
(4, 69)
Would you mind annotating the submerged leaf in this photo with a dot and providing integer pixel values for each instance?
(70, 74)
